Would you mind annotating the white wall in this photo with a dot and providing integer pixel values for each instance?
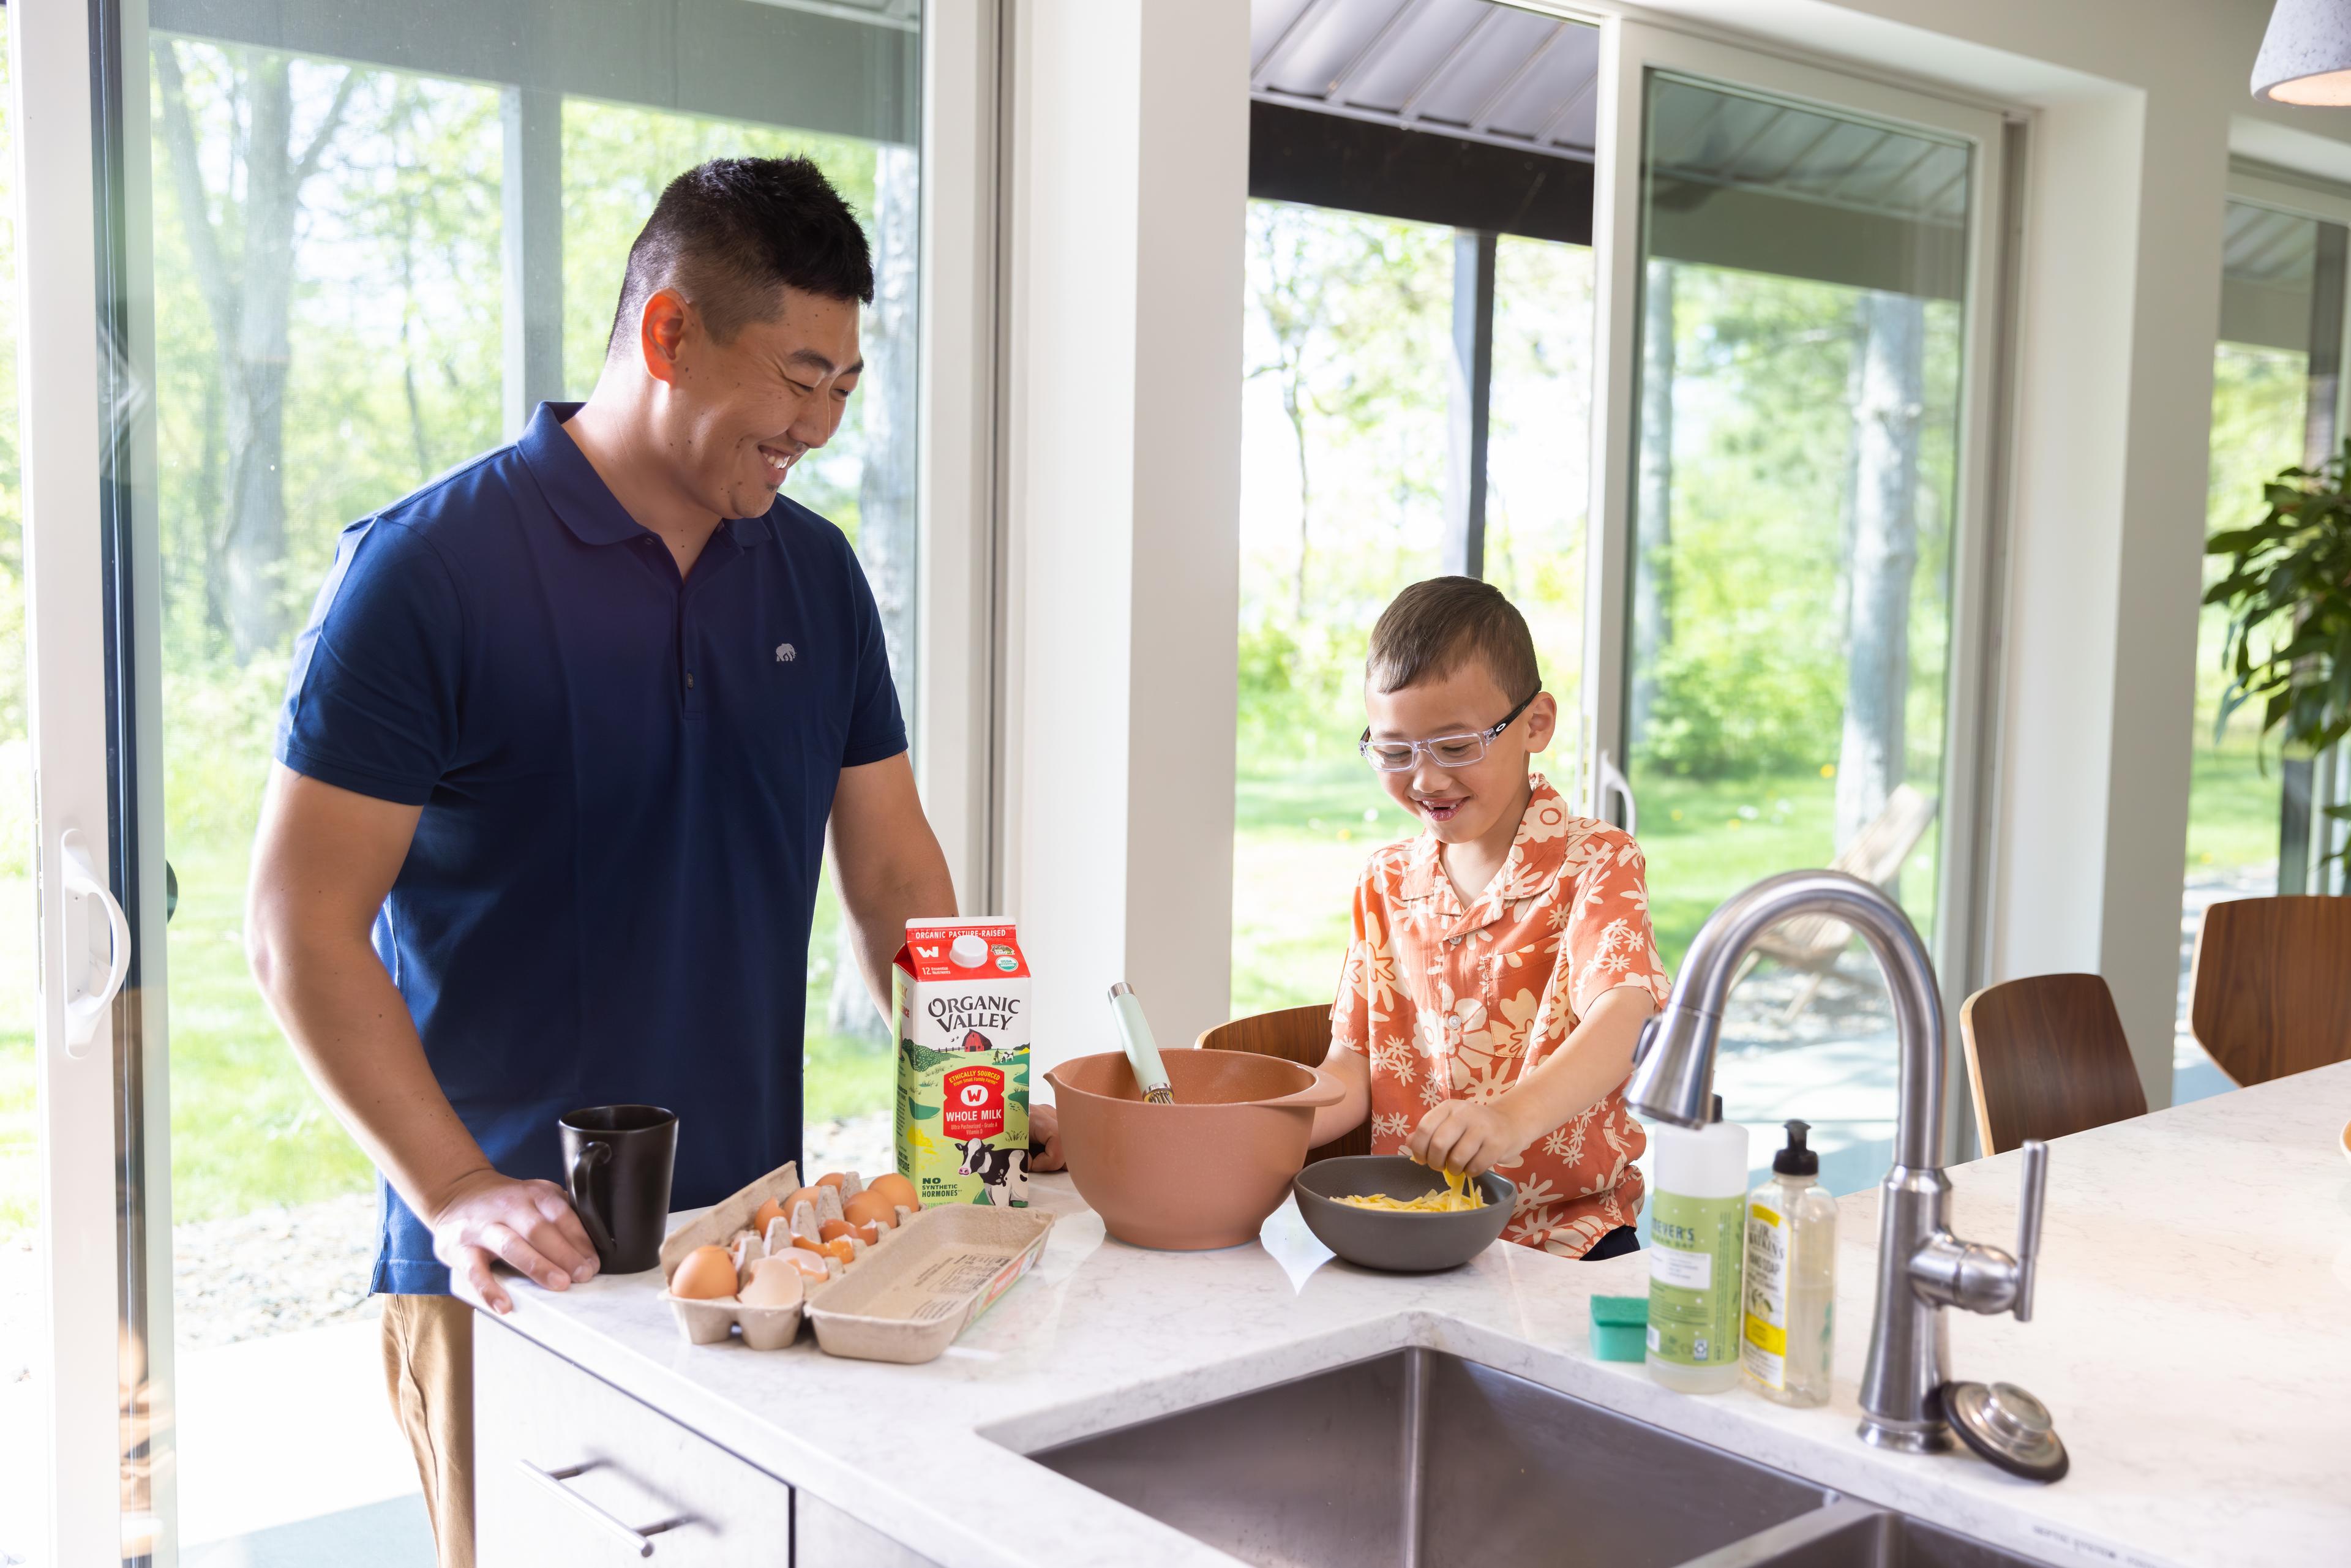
(1130, 179)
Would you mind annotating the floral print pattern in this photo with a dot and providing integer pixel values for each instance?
(1447, 1003)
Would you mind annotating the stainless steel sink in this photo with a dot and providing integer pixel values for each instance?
(1424, 1461)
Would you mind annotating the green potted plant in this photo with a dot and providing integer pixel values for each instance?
(2288, 594)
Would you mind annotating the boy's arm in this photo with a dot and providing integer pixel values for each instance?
(1353, 1071)
(1475, 1135)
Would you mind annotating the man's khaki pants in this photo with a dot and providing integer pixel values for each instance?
(428, 1370)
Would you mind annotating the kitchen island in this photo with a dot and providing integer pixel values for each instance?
(2192, 1338)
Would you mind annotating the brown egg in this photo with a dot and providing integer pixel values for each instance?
(770, 1210)
(707, 1274)
(834, 1229)
(833, 1179)
(870, 1207)
(800, 1196)
(896, 1189)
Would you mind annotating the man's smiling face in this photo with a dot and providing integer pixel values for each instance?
(741, 413)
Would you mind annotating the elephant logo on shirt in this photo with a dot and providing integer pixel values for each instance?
(785, 653)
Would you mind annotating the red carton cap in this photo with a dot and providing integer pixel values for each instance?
(981, 947)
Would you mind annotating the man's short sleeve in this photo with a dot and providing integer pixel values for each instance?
(371, 704)
(876, 728)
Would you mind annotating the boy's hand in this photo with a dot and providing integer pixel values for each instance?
(1471, 1136)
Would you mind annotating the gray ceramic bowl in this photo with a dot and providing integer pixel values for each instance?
(1405, 1243)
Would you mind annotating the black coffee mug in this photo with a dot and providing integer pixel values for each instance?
(617, 1161)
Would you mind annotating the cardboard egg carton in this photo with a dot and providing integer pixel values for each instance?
(728, 1224)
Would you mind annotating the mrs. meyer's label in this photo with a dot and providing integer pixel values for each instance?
(962, 994)
(1695, 1250)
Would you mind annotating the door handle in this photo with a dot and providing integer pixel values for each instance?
(1610, 779)
(82, 886)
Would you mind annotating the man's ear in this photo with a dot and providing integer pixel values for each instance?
(661, 334)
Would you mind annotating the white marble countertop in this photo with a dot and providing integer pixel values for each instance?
(2192, 1336)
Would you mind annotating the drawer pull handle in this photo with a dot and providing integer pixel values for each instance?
(637, 1540)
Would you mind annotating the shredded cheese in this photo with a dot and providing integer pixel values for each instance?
(1458, 1197)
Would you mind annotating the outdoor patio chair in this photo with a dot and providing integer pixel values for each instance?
(1811, 943)
(1294, 1034)
(2047, 1056)
(2271, 986)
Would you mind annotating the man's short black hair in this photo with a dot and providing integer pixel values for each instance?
(729, 233)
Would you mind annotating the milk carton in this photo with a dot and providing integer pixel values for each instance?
(961, 990)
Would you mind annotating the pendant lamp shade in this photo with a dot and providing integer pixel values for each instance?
(2306, 54)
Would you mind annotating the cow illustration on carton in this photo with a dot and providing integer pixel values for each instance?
(961, 990)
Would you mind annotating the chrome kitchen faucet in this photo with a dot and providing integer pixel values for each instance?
(1922, 1268)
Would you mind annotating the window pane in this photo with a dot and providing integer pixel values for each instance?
(1790, 614)
(331, 241)
(1343, 447)
(2261, 412)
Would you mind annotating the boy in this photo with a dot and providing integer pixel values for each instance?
(1502, 964)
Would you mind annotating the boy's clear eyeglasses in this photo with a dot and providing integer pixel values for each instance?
(1445, 750)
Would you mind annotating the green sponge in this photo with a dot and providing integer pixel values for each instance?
(1620, 1327)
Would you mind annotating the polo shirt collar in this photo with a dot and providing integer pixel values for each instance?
(578, 493)
(1532, 865)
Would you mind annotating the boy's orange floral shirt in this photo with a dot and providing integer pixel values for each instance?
(1460, 1004)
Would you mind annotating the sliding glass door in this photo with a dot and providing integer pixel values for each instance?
(343, 249)
(1796, 347)
(2257, 824)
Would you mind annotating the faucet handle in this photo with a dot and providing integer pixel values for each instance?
(2034, 1188)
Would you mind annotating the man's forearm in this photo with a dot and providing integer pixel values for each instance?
(877, 919)
(350, 1030)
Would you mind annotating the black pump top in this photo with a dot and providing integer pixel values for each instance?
(1796, 1159)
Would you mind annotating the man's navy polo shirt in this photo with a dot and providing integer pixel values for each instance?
(624, 779)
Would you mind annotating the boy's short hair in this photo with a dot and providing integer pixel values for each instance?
(1435, 626)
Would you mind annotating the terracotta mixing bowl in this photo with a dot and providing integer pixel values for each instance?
(1202, 1172)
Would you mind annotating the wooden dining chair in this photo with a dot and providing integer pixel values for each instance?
(2271, 986)
(1301, 1035)
(2046, 1056)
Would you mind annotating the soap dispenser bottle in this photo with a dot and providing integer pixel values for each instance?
(1698, 1242)
(1790, 1278)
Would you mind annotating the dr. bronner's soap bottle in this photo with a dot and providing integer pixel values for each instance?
(1698, 1240)
(1790, 1278)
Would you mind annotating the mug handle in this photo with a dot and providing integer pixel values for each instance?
(584, 1203)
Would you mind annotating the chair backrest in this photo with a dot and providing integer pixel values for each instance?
(1294, 1034)
(1875, 853)
(2272, 985)
(2047, 1056)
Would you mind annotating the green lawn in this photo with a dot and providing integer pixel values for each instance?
(2233, 806)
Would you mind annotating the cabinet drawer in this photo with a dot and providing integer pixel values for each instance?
(533, 1407)
(828, 1538)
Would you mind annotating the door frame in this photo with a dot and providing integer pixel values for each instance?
(1630, 50)
(54, 83)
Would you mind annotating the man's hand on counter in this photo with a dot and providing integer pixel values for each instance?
(1044, 1138)
(529, 1224)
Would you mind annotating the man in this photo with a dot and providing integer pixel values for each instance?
(561, 747)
